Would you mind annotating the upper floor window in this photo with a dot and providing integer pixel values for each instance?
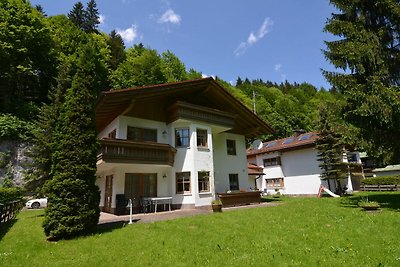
(141, 134)
(112, 134)
(204, 181)
(272, 162)
(182, 137)
(231, 147)
(202, 138)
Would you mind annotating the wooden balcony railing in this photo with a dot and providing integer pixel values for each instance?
(125, 151)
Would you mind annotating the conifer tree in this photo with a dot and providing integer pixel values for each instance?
(369, 53)
(117, 48)
(92, 19)
(330, 151)
(73, 197)
(78, 15)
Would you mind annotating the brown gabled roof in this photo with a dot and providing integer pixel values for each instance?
(152, 102)
(290, 143)
(253, 169)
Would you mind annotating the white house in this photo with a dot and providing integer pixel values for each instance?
(290, 166)
(181, 141)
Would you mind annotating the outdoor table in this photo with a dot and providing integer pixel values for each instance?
(159, 200)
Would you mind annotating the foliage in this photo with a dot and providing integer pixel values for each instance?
(368, 204)
(73, 197)
(330, 149)
(216, 202)
(382, 180)
(117, 48)
(26, 57)
(10, 194)
(13, 128)
(86, 20)
(319, 235)
(368, 52)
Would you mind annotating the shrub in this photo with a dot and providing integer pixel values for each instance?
(10, 194)
(13, 128)
(382, 180)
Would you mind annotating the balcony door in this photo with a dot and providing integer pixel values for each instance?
(139, 185)
(108, 193)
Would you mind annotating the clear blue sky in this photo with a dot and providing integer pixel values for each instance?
(273, 40)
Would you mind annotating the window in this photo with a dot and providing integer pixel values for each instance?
(233, 182)
(204, 181)
(231, 147)
(141, 134)
(183, 182)
(201, 138)
(182, 137)
(274, 183)
(272, 162)
(112, 134)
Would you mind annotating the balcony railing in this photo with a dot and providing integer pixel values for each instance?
(125, 151)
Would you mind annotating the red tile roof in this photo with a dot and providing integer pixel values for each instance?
(253, 169)
(284, 144)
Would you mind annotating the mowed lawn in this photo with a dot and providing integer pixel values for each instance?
(299, 232)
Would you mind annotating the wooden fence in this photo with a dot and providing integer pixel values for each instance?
(8, 211)
(386, 187)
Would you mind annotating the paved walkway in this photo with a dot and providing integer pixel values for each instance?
(170, 215)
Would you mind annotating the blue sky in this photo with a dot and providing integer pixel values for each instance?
(274, 40)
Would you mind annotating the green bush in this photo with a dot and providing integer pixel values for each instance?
(382, 180)
(13, 128)
(10, 194)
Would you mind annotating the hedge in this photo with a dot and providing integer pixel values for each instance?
(382, 180)
(10, 194)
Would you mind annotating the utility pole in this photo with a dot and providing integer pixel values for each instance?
(254, 102)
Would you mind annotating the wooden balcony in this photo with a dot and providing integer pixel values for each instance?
(125, 151)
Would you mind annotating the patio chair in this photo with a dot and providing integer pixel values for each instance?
(146, 205)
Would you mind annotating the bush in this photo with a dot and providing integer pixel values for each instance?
(13, 128)
(382, 180)
(10, 194)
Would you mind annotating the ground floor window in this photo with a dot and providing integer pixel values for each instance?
(183, 183)
(233, 181)
(204, 181)
(275, 182)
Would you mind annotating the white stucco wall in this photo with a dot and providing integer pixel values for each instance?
(225, 164)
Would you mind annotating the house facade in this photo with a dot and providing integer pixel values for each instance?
(181, 141)
(290, 166)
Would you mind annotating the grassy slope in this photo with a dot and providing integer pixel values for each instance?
(300, 232)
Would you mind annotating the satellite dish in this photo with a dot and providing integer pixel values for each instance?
(257, 144)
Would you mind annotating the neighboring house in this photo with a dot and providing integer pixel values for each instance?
(387, 171)
(290, 166)
(184, 141)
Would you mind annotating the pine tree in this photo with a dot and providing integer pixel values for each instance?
(330, 150)
(117, 48)
(369, 53)
(92, 19)
(78, 15)
(73, 197)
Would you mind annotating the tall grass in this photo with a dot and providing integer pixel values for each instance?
(300, 232)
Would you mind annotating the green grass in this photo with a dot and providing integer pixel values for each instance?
(299, 232)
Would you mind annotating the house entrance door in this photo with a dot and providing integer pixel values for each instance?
(108, 193)
(139, 185)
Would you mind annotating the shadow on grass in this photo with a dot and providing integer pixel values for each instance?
(271, 199)
(111, 226)
(387, 200)
(5, 227)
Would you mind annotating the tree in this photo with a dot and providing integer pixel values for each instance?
(78, 16)
(92, 18)
(330, 150)
(73, 197)
(117, 48)
(173, 69)
(27, 62)
(369, 54)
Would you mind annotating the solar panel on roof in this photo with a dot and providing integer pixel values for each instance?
(270, 144)
(305, 137)
(288, 141)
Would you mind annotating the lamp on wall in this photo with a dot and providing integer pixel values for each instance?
(164, 133)
(164, 176)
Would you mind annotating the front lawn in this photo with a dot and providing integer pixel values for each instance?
(300, 232)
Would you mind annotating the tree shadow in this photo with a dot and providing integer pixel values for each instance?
(5, 227)
(387, 200)
(111, 226)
